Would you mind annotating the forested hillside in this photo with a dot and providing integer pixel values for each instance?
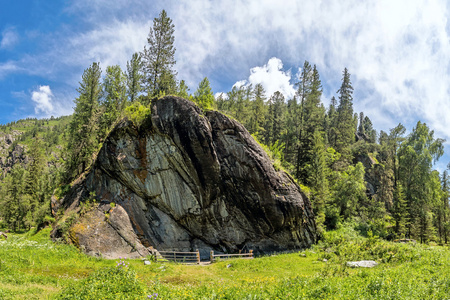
(31, 160)
(380, 182)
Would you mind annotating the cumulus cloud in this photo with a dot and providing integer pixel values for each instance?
(9, 38)
(43, 100)
(272, 77)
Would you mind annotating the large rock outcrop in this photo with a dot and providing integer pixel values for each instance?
(186, 179)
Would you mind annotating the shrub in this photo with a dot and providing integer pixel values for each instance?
(137, 113)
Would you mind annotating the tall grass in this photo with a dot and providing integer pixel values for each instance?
(33, 267)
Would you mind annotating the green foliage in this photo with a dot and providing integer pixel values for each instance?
(204, 96)
(422, 186)
(137, 113)
(61, 191)
(183, 90)
(114, 99)
(83, 130)
(350, 190)
(119, 282)
(134, 76)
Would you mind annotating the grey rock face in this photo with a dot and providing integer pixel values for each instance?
(191, 180)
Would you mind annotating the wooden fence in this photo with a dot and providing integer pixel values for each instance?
(194, 257)
(182, 257)
(248, 255)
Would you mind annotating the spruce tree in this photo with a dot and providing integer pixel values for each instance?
(400, 212)
(345, 124)
(183, 90)
(134, 76)
(258, 110)
(83, 129)
(275, 122)
(114, 98)
(303, 91)
(318, 171)
(444, 209)
(159, 58)
(204, 96)
(369, 130)
(312, 117)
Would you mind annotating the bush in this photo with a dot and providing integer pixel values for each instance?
(137, 113)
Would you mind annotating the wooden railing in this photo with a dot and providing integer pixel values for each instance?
(182, 257)
(248, 255)
(194, 257)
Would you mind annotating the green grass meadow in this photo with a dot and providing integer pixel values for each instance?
(34, 267)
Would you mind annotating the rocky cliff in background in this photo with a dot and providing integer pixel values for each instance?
(11, 154)
(186, 179)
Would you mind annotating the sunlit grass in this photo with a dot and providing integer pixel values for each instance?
(33, 267)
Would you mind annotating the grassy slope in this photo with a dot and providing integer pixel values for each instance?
(33, 267)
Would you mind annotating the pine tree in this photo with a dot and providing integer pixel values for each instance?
(114, 98)
(345, 124)
(400, 212)
(204, 96)
(369, 130)
(183, 90)
(83, 129)
(34, 186)
(290, 138)
(159, 57)
(444, 209)
(361, 130)
(312, 117)
(303, 91)
(332, 123)
(258, 110)
(13, 203)
(134, 76)
(318, 170)
(275, 124)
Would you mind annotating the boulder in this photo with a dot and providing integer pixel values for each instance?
(184, 180)
(362, 264)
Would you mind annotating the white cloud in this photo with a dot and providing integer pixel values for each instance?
(272, 77)
(110, 43)
(43, 100)
(398, 52)
(9, 38)
(7, 67)
(240, 84)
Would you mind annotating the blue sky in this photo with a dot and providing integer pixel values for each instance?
(398, 52)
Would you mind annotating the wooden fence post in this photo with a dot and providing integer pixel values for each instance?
(251, 253)
(198, 256)
(211, 256)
